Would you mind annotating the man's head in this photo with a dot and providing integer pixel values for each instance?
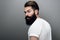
(31, 10)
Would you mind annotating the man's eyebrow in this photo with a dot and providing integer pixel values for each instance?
(27, 10)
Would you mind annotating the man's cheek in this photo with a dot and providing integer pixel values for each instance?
(30, 14)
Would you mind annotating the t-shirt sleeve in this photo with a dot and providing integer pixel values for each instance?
(35, 30)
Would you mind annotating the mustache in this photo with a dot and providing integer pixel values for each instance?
(27, 17)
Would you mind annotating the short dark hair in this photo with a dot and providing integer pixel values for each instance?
(33, 4)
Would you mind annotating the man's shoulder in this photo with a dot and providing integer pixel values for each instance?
(44, 21)
(40, 22)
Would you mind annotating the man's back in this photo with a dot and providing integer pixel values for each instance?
(40, 29)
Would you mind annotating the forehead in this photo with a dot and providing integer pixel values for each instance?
(27, 8)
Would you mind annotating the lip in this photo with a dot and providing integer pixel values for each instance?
(28, 18)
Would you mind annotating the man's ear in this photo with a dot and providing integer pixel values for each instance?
(36, 12)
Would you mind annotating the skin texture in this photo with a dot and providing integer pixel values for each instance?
(29, 12)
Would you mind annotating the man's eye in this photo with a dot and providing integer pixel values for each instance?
(28, 11)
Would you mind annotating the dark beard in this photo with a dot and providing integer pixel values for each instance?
(31, 19)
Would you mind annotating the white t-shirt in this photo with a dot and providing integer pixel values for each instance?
(41, 29)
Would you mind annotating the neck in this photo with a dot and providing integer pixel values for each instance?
(38, 16)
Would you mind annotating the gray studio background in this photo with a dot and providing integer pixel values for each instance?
(12, 22)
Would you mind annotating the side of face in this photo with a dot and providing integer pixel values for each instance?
(28, 11)
(30, 16)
